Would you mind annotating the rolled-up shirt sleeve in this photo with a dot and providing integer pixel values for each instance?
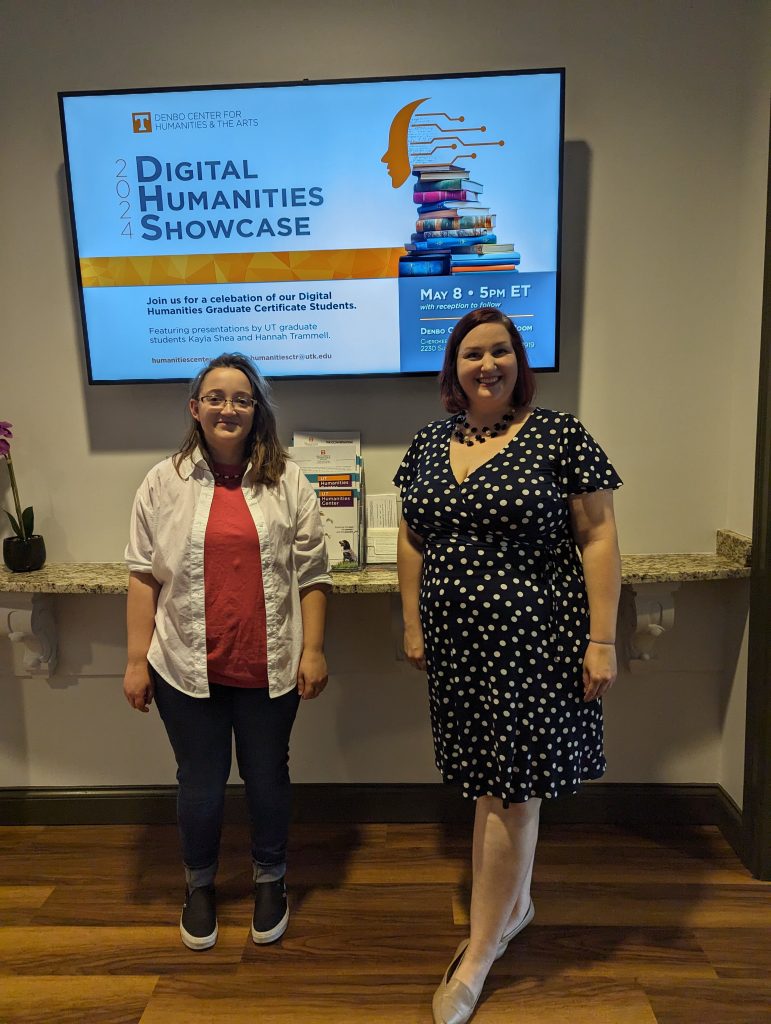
(309, 548)
(139, 550)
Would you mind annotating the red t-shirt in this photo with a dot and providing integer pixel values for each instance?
(236, 642)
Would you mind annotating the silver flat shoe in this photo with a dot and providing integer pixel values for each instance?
(454, 1002)
(508, 936)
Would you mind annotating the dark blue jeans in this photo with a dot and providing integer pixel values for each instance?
(200, 730)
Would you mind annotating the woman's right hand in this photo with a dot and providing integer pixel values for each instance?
(138, 686)
(414, 647)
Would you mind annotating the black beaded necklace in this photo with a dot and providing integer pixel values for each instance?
(227, 476)
(466, 434)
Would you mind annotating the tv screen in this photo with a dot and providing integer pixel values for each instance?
(325, 229)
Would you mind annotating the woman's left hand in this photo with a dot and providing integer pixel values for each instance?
(312, 674)
(600, 670)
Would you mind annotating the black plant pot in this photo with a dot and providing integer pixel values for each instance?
(24, 555)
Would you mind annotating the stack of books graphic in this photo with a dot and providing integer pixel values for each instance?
(454, 231)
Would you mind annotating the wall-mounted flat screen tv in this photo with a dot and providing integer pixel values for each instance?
(325, 229)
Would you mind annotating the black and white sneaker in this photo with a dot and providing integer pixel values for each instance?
(271, 911)
(198, 924)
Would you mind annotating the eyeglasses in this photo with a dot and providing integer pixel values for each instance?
(240, 403)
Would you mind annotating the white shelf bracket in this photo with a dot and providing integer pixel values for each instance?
(35, 628)
(646, 613)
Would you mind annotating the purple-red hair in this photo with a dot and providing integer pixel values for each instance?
(453, 396)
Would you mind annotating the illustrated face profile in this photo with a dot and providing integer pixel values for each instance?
(438, 140)
(397, 156)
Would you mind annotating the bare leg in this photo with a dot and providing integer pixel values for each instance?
(522, 904)
(503, 855)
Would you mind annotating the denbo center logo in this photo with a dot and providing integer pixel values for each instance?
(142, 122)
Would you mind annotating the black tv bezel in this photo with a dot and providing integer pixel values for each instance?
(305, 82)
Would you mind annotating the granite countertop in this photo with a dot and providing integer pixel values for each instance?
(731, 561)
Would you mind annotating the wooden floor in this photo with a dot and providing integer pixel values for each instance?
(630, 928)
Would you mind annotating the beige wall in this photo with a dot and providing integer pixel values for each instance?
(746, 286)
(666, 125)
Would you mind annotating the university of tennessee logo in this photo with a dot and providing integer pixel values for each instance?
(142, 122)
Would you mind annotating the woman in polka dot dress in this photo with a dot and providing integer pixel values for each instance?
(515, 629)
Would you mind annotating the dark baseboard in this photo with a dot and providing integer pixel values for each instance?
(597, 803)
(731, 823)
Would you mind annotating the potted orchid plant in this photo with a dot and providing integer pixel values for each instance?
(25, 551)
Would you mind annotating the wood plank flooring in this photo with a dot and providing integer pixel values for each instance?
(638, 926)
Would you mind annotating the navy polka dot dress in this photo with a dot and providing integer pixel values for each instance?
(504, 610)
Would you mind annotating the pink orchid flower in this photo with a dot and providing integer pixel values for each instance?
(5, 436)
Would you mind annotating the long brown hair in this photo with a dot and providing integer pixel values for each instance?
(262, 445)
(453, 396)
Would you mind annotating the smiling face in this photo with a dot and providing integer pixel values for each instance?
(487, 368)
(225, 429)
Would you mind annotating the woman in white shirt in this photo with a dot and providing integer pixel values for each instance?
(226, 608)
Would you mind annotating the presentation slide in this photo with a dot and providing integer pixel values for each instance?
(329, 229)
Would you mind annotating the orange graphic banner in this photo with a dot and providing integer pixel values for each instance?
(239, 267)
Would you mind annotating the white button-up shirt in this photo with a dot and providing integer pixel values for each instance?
(166, 539)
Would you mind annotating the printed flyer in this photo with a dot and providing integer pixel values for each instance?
(334, 471)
